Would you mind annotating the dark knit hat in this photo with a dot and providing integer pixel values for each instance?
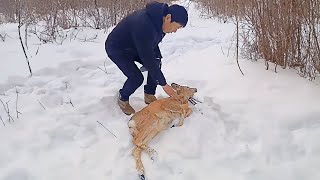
(178, 14)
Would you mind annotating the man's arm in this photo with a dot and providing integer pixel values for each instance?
(157, 52)
(143, 41)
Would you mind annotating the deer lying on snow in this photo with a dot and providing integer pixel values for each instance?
(145, 124)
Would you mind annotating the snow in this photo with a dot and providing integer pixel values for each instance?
(263, 125)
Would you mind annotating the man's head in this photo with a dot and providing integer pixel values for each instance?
(176, 18)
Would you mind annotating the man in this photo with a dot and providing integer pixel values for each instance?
(136, 39)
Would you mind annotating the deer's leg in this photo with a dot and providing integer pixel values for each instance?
(151, 152)
(186, 114)
(136, 152)
(181, 120)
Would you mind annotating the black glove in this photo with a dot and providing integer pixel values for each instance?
(143, 69)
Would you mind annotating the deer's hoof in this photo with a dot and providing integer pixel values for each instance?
(141, 176)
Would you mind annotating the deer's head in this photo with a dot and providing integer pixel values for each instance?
(185, 91)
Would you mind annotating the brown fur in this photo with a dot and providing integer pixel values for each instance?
(157, 117)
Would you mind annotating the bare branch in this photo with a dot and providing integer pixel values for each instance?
(105, 67)
(37, 51)
(237, 44)
(107, 129)
(3, 37)
(19, 30)
(42, 105)
(2, 121)
(6, 108)
(71, 103)
(17, 104)
(90, 39)
(66, 84)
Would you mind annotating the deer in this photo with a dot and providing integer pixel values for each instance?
(155, 118)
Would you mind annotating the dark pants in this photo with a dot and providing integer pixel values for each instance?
(134, 75)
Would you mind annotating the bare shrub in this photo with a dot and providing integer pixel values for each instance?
(9, 10)
(282, 32)
(48, 19)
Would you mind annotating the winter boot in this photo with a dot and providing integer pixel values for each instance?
(126, 107)
(149, 98)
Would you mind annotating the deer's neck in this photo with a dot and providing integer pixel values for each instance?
(181, 98)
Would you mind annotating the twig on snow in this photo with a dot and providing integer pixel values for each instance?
(42, 105)
(107, 129)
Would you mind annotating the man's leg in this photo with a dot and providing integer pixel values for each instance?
(134, 77)
(133, 82)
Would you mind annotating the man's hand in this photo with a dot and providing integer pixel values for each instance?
(169, 90)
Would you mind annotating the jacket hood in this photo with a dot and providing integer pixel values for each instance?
(157, 11)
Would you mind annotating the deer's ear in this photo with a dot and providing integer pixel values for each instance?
(175, 86)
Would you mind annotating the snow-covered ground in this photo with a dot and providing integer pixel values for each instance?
(260, 126)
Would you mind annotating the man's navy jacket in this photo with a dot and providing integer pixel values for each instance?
(138, 35)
